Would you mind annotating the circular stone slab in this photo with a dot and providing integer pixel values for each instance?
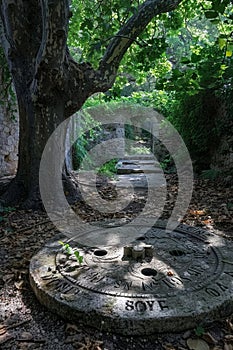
(163, 281)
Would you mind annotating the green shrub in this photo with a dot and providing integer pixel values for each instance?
(108, 168)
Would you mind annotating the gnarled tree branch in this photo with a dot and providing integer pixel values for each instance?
(126, 36)
(17, 27)
(52, 51)
(54, 32)
(90, 80)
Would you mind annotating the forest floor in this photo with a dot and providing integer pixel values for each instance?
(25, 324)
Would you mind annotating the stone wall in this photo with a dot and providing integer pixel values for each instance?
(9, 137)
(222, 159)
(101, 145)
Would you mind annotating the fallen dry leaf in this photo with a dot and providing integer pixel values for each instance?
(209, 338)
(19, 285)
(228, 347)
(168, 347)
(229, 324)
(197, 212)
(26, 336)
(72, 339)
(71, 328)
(9, 277)
(3, 329)
(228, 337)
(89, 344)
(197, 344)
(5, 337)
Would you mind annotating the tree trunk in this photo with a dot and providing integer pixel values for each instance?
(37, 122)
(50, 86)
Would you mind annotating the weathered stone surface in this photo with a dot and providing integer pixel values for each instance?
(140, 180)
(139, 157)
(163, 281)
(139, 170)
(9, 137)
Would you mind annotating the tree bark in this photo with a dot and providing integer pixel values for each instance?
(50, 86)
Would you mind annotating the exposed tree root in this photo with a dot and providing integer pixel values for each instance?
(14, 194)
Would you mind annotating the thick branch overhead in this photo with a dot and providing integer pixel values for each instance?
(128, 33)
(51, 66)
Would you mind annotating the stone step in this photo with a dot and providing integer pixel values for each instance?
(138, 170)
(139, 157)
(138, 162)
(137, 166)
(148, 162)
(139, 180)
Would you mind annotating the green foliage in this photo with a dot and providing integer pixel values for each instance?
(139, 150)
(199, 331)
(7, 209)
(80, 146)
(129, 132)
(78, 257)
(69, 251)
(210, 174)
(190, 74)
(193, 118)
(230, 205)
(201, 80)
(67, 248)
(94, 23)
(167, 164)
(172, 48)
(109, 168)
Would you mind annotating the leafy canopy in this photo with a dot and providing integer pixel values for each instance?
(174, 49)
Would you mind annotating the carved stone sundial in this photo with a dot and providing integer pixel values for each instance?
(162, 281)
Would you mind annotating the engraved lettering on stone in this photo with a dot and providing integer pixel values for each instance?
(94, 277)
(129, 305)
(230, 273)
(222, 286)
(123, 284)
(162, 304)
(59, 285)
(140, 306)
(145, 305)
(64, 287)
(227, 262)
(185, 271)
(151, 274)
(147, 286)
(49, 277)
(196, 271)
(150, 304)
(199, 255)
(172, 282)
(213, 292)
(51, 280)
